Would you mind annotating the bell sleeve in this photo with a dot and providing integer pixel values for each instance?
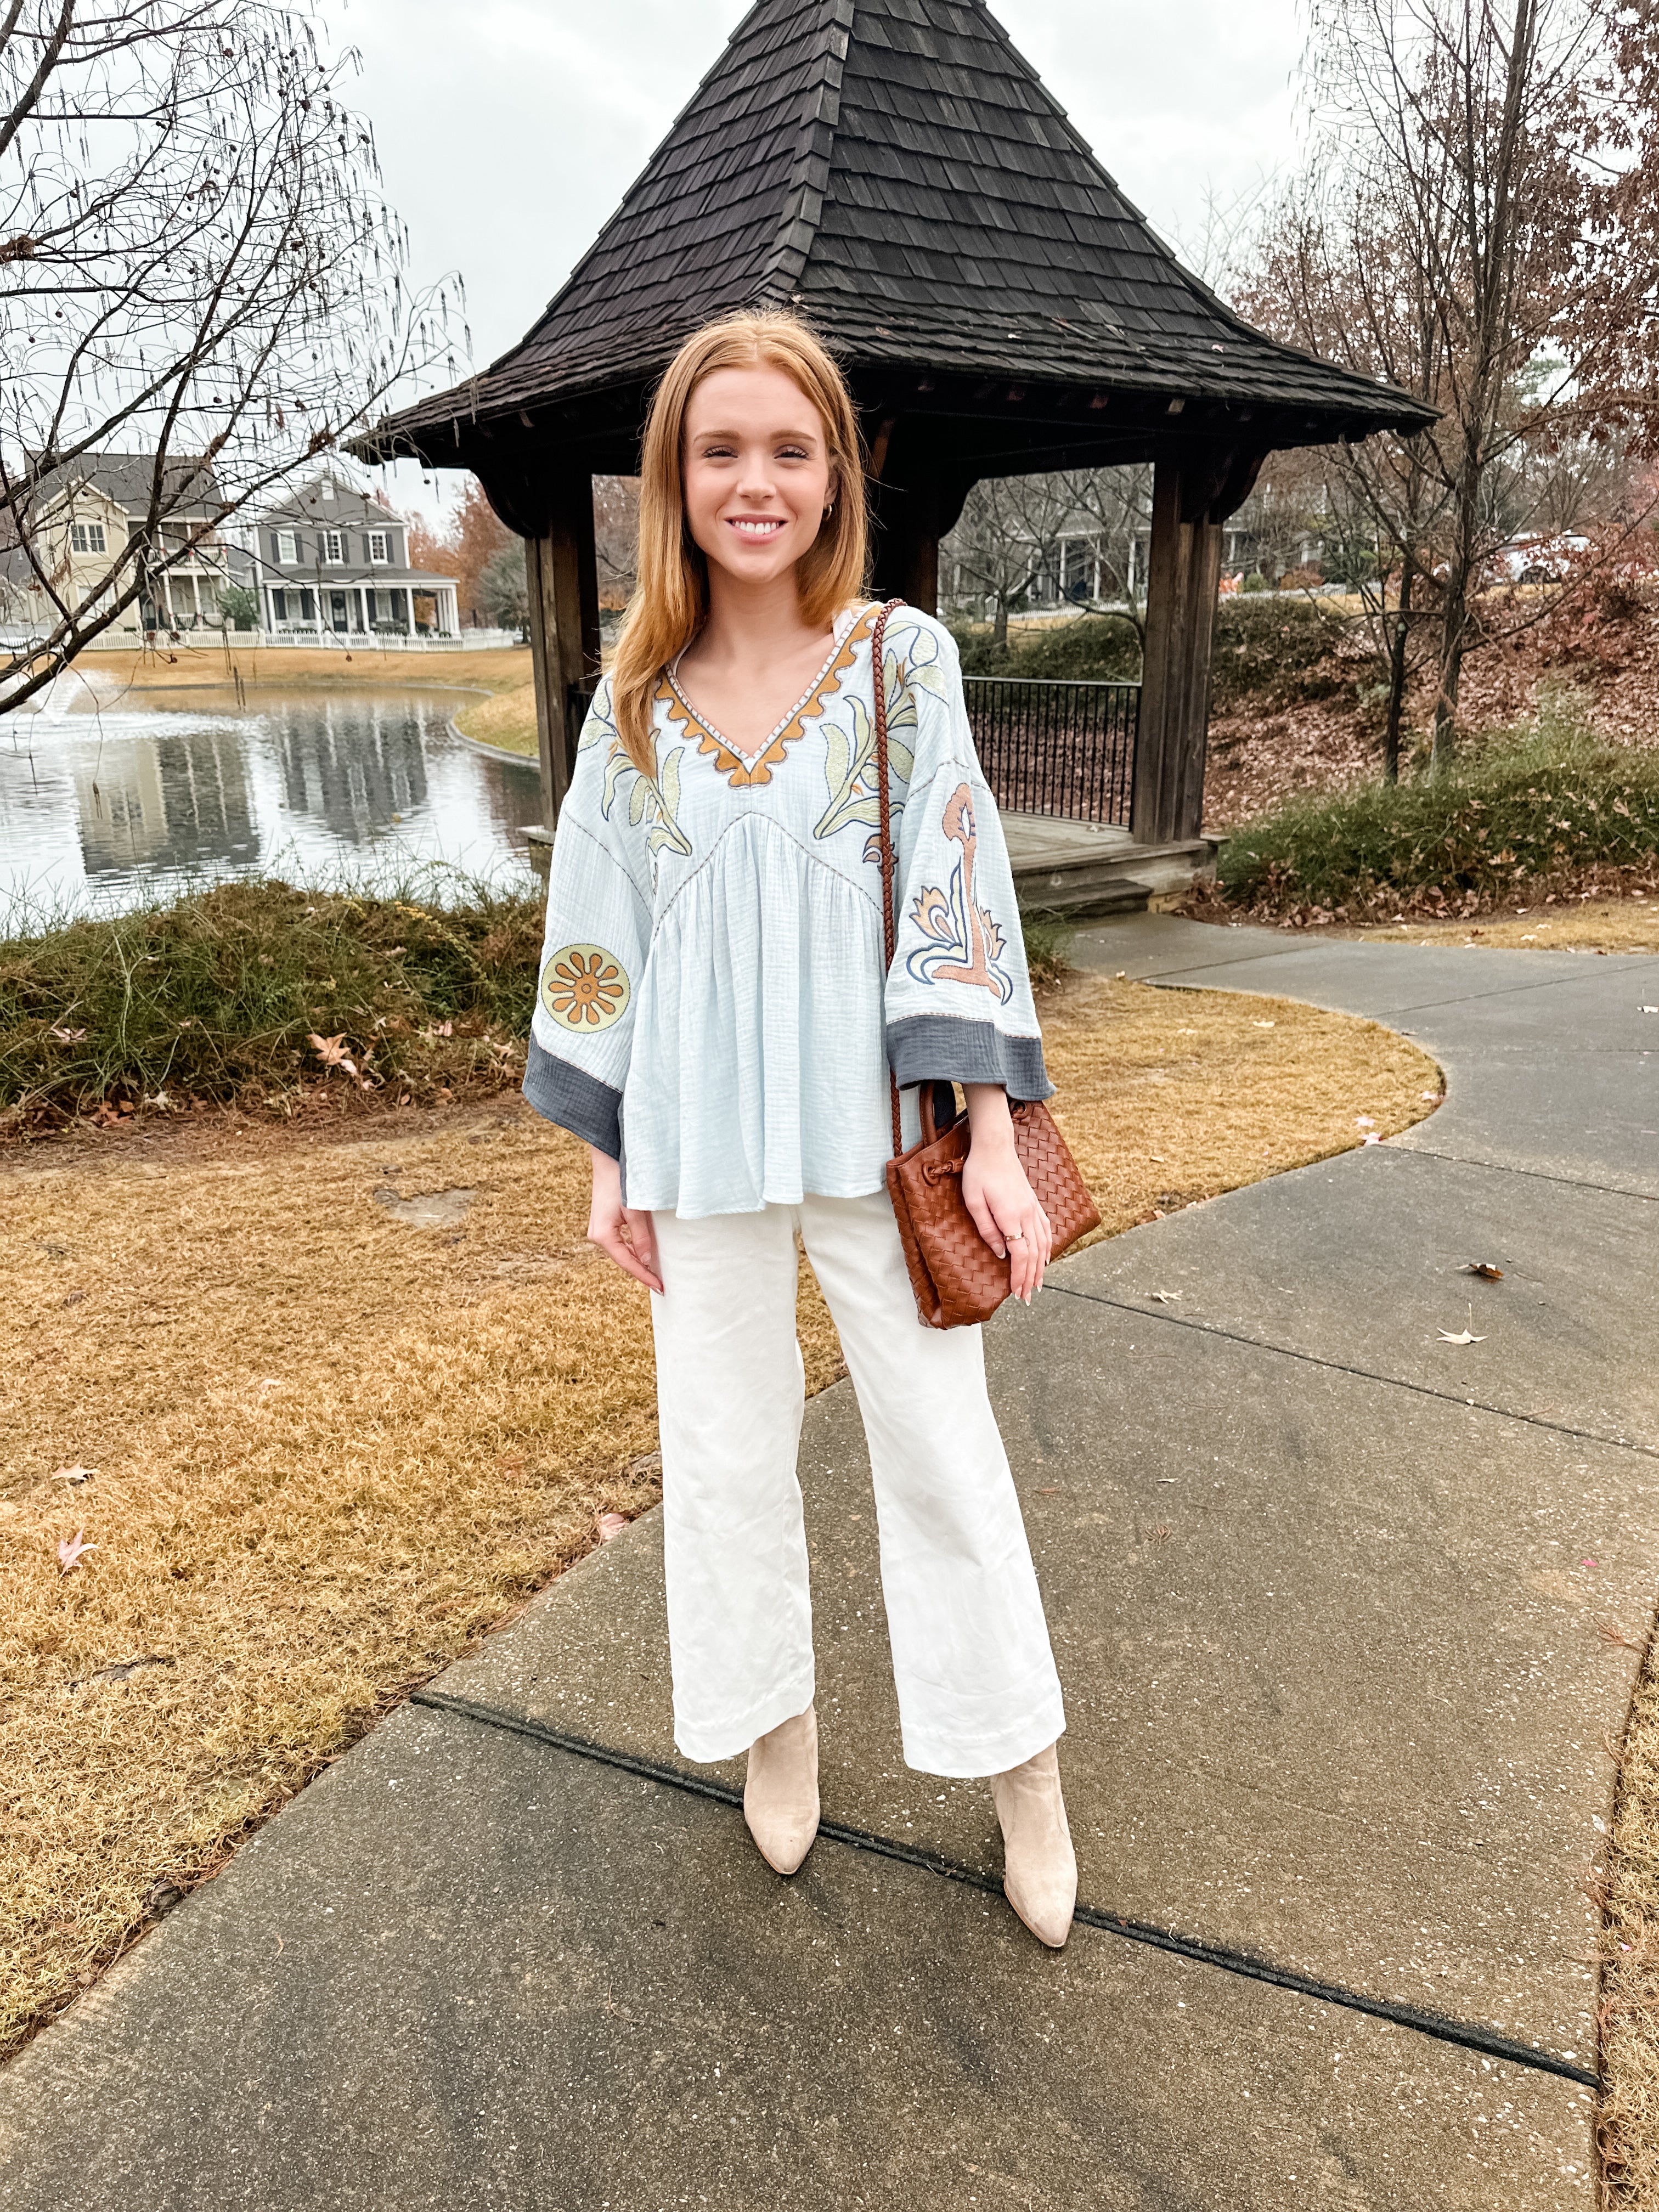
(958, 1002)
(599, 929)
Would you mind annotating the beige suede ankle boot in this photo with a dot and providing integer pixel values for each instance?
(780, 1794)
(1039, 1870)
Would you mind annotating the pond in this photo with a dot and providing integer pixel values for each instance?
(107, 803)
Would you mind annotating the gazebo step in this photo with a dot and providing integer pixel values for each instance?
(1081, 868)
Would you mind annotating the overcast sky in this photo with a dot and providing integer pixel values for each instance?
(508, 129)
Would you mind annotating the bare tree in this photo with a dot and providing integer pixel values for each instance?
(616, 537)
(1008, 534)
(1117, 503)
(197, 265)
(1477, 221)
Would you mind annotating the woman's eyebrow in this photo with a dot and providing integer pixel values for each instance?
(716, 430)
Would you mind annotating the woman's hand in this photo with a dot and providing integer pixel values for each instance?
(1002, 1203)
(624, 1232)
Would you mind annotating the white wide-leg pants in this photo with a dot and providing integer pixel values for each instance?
(977, 1690)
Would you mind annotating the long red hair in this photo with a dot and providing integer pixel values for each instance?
(670, 603)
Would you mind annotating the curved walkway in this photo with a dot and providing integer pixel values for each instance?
(1325, 1586)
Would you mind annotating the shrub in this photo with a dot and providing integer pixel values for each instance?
(1278, 653)
(1104, 649)
(217, 996)
(1544, 806)
(1048, 942)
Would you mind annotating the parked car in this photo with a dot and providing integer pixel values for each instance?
(1536, 559)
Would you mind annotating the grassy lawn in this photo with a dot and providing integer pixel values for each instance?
(216, 667)
(1587, 925)
(331, 1442)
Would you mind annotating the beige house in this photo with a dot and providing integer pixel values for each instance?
(82, 519)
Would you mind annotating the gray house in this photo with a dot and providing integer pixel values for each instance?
(333, 558)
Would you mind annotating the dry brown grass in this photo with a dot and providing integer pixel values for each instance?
(1629, 925)
(332, 1448)
(507, 720)
(1168, 1097)
(208, 667)
(1627, 1891)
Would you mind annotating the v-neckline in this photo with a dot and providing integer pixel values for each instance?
(731, 760)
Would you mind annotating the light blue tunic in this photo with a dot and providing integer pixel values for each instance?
(712, 1001)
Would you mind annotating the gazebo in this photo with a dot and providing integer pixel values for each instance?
(896, 173)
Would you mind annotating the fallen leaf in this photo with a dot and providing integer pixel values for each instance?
(1264, 1025)
(1461, 1337)
(1163, 1298)
(1589, 1562)
(611, 1524)
(1434, 1097)
(121, 1669)
(69, 1549)
(1363, 1122)
(1484, 1269)
(1370, 1141)
(77, 1474)
(332, 1051)
(67, 1036)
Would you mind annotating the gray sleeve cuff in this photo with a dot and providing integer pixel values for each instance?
(939, 1048)
(559, 1093)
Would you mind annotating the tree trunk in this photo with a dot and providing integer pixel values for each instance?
(1000, 626)
(1397, 679)
(1453, 629)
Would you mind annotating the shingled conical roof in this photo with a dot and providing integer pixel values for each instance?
(896, 171)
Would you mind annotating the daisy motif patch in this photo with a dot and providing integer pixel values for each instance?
(584, 987)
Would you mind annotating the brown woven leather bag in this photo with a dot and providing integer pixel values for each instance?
(956, 1277)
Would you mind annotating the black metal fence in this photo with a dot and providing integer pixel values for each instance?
(1066, 749)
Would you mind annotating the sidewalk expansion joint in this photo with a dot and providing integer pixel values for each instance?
(1364, 1374)
(1398, 1149)
(1469, 2035)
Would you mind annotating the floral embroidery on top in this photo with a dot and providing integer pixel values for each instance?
(583, 987)
(728, 761)
(656, 800)
(850, 768)
(964, 943)
(598, 723)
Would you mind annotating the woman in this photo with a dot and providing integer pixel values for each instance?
(713, 1019)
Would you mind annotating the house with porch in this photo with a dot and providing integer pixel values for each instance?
(81, 524)
(332, 560)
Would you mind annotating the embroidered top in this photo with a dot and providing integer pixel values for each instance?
(711, 1006)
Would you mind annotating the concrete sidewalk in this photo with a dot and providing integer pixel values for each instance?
(1325, 1594)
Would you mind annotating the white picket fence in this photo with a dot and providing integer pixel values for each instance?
(247, 641)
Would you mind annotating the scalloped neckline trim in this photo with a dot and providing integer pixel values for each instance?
(748, 768)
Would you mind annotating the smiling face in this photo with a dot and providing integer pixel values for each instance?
(757, 472)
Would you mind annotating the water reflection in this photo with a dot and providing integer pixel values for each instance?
(104, 807)
(179, 801)
(357, 771)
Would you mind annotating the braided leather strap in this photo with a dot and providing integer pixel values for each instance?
(884, 802)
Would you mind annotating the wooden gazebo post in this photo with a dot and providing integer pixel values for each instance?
(564, 625)
(1194, 491)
